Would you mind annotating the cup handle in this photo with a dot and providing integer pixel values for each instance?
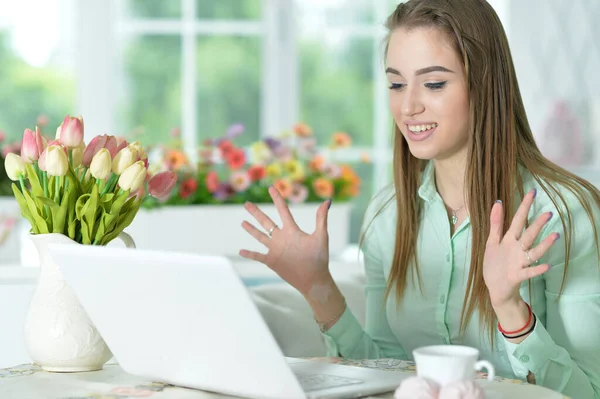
(127, 240)
(484, 364)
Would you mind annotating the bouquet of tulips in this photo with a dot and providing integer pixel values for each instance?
(88, 193)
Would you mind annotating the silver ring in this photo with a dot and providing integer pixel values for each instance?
(528, 258)
(270, 232)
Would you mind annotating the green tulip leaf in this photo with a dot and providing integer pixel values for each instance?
(80, 206)
(74, 181)
(72, 229)
(106, 201)
(100, 227)
(48, 202)
(123, 221)
(25, 212)
(86, 238)
(59, 215)
(36, 187)
(39, 226)
(91, 211)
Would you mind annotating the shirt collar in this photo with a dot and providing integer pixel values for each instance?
(427, 190)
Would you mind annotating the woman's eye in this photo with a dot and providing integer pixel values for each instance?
(396, 86)
(435, 86)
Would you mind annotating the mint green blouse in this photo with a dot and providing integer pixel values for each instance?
(563, 352)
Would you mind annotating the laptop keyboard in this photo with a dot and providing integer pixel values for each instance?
(317, 382)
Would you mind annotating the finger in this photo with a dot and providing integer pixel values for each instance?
(262, 258)
(520, 219)
(533, 271)
(282, 207)
(259, 216)
(256, 233)
(322, 213)
(496, 223)
(529, 236)
(539, 250)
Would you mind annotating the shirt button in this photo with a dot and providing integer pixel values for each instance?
(442, 299)
(524, 358)
(448, 258)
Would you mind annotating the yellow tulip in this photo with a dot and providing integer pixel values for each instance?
(124, 159)
(78, 154)
(101, 164)
(132, 178)
(15, 166)
(57, 163)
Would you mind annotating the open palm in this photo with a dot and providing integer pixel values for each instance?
(511, 258)
(296, 256)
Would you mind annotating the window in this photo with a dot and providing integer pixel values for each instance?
(37, 73)
(147, 66)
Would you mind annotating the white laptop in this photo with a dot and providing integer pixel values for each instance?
(188, 320)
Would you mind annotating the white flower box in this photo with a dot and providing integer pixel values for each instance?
(216, 229)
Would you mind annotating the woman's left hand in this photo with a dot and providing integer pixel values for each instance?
(509, 257)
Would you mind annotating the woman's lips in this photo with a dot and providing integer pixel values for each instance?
(421, 135)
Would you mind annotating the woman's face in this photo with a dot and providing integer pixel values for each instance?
(428, 93)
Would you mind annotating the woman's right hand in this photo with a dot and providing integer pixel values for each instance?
(299, 258)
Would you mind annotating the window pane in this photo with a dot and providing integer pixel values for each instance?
(151, 106)
(336, 12)
(35, 91)
(228, 9)
(228, 86)
(154, 8)
(337, 87)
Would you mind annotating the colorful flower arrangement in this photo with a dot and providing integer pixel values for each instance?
(230, 174)
(89, 193)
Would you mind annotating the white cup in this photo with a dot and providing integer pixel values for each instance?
(446, 364)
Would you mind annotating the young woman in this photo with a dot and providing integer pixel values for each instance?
(481, 241)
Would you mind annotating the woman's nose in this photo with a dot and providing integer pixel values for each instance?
(412, 103)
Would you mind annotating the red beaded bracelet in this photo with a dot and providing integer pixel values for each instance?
(504, 332)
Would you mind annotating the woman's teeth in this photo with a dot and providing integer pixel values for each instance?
(421, 128)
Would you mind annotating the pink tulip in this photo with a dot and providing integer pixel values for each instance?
(111, 146)
(161, 184)
(121, 145)
(60, 144)
(92, 149)
(33, 145)
(29, 150)
(40, 140)
(71, 133)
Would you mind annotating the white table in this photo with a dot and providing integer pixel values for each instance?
(30, 382)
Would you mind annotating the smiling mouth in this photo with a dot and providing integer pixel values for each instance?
(418, 129)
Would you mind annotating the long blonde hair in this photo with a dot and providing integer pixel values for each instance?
(502, 140)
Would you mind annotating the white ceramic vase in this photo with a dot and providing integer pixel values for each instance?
(59, 335)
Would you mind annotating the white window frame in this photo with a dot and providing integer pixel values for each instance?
(98, 74)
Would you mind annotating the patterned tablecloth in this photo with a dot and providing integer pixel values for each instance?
(29, 381)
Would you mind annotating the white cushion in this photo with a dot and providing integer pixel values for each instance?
(290, 318)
